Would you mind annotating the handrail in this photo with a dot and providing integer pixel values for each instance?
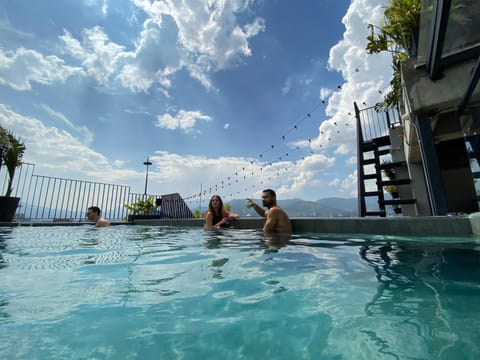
(375, 124)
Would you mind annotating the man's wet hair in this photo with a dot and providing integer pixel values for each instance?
(270, 192)
(95, 209)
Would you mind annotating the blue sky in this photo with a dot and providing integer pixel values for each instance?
(225, 96)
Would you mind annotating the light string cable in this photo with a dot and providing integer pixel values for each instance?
(245, 173)
(256, 165)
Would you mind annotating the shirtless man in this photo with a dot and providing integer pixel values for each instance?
(93, 214)
(277, 219)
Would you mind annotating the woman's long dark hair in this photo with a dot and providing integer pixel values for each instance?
(215, 211)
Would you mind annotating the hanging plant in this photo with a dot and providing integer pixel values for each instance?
(402, 20)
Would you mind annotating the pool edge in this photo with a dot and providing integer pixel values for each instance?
(462, 225)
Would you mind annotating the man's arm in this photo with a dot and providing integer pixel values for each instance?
(257, 208)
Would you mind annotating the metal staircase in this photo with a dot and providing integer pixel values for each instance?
(376, 171)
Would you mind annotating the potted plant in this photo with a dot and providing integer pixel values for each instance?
(392, 189)
(141, 208)
(11, 155)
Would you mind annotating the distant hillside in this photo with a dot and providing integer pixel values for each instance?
(327, 207)
(296, 208)
(302, 208)
(347, 204)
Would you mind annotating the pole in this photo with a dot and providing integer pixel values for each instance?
(200, 202)
(147, 164)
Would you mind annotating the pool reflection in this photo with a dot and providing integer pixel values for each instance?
(436, 282)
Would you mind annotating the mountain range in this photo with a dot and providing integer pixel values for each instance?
(327, 207)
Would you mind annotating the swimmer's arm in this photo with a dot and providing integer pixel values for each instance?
(209, 219)
(233, 216)
(257, 208)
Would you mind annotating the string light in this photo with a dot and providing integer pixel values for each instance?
(284, 138)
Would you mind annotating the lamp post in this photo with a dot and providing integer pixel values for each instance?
(147, 164)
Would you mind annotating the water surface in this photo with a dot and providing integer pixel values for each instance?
(141, 292)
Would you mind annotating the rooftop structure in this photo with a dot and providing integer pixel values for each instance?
(432, 154)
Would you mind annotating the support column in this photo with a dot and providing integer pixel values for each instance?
(431, 166)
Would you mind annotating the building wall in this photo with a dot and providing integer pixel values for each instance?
(461, 197)
(438, 99)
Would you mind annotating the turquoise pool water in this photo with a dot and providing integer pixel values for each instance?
(135, 292)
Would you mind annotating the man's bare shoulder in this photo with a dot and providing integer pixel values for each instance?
(102, 223)
(275, 210)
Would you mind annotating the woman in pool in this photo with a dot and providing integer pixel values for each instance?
(216, 217)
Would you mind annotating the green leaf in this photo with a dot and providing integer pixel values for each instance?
(142, 206)
(402, 19)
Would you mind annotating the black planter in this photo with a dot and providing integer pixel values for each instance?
(8, 206)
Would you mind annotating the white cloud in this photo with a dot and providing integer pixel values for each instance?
(98, 4)
(6, 27)
(335, 182)
(20, 68)
(235, 177)
(288, 85)
(87, 135)
(57, 153)
(303, 176)
(226, 126)
(157, 56)
(97, 53)
(196, 36)
(208, 37)
(197, 72)
(183, 120)
(364, 75)
(325, 93)
(346, 187)
(119, 163)
(210, 30)
(135, 79)
(352, 160)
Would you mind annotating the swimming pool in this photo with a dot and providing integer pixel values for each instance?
(143, 292)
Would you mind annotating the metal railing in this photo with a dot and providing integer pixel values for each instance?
(47, 198)
(375, 124)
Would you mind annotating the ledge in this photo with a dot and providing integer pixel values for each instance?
(442, 226)
(438, 226)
